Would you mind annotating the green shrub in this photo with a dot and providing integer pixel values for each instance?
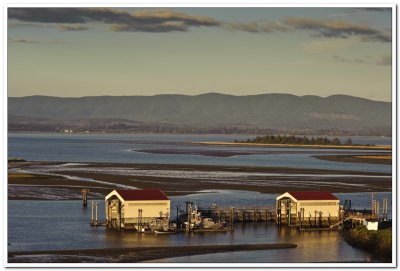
(379, 242)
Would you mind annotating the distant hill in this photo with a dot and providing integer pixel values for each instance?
(267, 111)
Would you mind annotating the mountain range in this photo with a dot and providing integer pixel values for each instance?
(265, 111)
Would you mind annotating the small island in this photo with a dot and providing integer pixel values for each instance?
(294, 140)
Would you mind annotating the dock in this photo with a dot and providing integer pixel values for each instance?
(240, 214)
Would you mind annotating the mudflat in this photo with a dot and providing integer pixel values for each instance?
(100, 178)
(134, 254)
(364, 159)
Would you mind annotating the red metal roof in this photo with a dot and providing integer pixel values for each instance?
(312, 195)
(142, 194)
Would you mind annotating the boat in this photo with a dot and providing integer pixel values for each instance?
(165, 232)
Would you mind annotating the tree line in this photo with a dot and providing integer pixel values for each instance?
(282, 139)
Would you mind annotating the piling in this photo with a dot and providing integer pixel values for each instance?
(97, 207)
(84, 192)
(92, 212)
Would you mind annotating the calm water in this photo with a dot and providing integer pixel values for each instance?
(41, 225)
(121, 148)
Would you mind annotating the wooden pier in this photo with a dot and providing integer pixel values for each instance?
(240, 214)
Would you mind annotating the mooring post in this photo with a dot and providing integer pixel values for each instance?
(315, 218)
(232, 218)
(377, 209)
(373, 203)
(97, 206)
(92, 212)
(84, 192)
(177, 215)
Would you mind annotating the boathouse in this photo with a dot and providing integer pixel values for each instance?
(307, 208)
(135, 209)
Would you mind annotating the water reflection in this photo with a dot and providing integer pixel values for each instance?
(50, 225)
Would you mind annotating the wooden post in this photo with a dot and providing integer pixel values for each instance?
(139, 221)
(119, 214)
(97, 207)
(329, 220)
(189, 214)
(84, 192)
(377, 209)
(373, 203)
(232, 217)
(386, 208)
(92, 212)
(315, 218)
(320, 219)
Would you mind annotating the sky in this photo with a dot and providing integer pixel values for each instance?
(74, 52)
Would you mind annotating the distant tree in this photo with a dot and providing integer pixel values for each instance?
(349, 142)
(336, 141)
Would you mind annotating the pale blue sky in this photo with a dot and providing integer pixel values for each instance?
(238, 51)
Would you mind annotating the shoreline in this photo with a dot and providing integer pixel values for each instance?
(244, 144)
(137, 254)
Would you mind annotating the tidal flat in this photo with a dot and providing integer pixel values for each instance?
(39, 180)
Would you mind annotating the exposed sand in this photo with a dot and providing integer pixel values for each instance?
(187, 179)
(133, 254)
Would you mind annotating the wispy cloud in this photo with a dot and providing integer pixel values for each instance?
(74, 19)
(354, 11)
(337, 29)
(68, 27)
(382, 60)
(349, 60)
(372, 9)
(258, 27)
(64, 27)
(385, 60)
(28, 41)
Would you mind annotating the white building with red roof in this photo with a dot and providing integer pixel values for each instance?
(312, 208)
(130, 208)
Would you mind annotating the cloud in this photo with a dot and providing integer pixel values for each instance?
(142, 21)
(385, 60)
(372, 9)
(336, 29)
(347, 60)
(27, 41)
(64, 27)
(68, 27)
(74, 19)
(354, 11)
(257, 27)
(382, 60)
